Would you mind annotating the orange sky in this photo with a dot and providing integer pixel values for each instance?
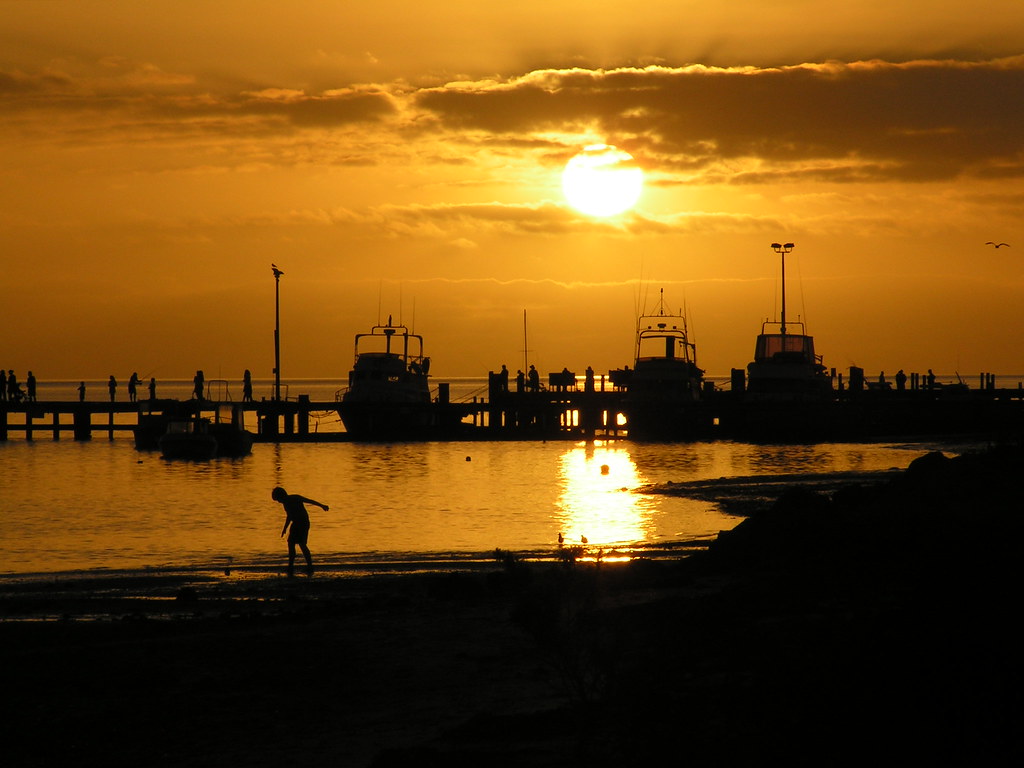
(405, 158)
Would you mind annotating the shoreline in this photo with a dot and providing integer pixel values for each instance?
(802, 633)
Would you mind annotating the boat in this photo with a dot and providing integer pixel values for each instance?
(189, 440)
(201, 438)
(785, 366)
(388, 393)
(665, 386)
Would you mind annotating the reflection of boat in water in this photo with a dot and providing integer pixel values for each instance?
(388, 394)
(665, 385)
(200, 438)
(785, 366)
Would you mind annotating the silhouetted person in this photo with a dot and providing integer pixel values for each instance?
(3, 384)
(30, 386)
(901, 380)
(112, 387)
(81, 391)
(931, 379)
(503, 378)
(133, 388)
(298, 518)
(198, 382)
(520, 381)
(14, 391)
(881, 380)
(152, 387)
(247, 386)
(588, 383)
(534, 378)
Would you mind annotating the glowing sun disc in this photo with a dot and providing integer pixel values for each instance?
(602, 181)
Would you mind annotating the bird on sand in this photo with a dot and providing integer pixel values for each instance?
(997, 245)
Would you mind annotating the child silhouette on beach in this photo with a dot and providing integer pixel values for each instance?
(296, 516)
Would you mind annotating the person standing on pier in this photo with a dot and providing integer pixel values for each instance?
(3, 384)
(197, 385)
(901, 380)
(13, 388)
(133, 388)
(81, 391)
(112, 387)
(247, 386)
(30, 386)
(152, 387)
(298, 518)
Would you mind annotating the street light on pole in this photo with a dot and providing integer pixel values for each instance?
(782, 249)
(277, 331)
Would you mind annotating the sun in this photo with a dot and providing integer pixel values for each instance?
(602, 180)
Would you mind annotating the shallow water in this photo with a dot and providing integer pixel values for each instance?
(104, 505)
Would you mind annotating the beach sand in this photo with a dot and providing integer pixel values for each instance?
(862, 624)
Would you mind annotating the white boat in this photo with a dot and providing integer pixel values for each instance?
(388, 393)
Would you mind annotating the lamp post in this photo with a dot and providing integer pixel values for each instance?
(782, 249)
(277, 331)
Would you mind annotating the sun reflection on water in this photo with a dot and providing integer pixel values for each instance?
(597, 500)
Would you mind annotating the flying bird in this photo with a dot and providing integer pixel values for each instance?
(997, 245)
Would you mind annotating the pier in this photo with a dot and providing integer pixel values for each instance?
(558, 412)
(570, 408)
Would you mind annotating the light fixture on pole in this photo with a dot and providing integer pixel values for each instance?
(782, 249)
(277, 331)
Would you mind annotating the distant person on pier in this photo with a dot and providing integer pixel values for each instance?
(198, 382)
(133, 388)
(112, 387)
(901, 380)
(503, 378)
(13, 388)
(520, 381)
(81, 391)
(247, 386)
(3, 384)
(931, 379)
(152, 387)
(588, 382)
(298, 518)
(881, 381)
(30, 385)
(534, 379)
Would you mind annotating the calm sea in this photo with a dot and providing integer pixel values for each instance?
(70, 506)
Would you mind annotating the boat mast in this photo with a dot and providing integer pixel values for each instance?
(782, 249)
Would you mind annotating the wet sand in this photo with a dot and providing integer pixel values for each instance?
(804, 634)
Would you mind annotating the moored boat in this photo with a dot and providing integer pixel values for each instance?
(665, 386)
(388, 393)
(189, 440)
(201, 438)
(785, 366)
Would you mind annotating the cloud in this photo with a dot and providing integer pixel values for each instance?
(829, 121)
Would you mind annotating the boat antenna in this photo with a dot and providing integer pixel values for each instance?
(782, 249)
(380, 292)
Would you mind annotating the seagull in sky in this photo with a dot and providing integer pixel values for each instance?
(997, 245)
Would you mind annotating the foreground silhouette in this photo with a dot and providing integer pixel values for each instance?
(297, 517)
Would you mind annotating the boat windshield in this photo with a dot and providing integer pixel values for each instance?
(785, 347)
